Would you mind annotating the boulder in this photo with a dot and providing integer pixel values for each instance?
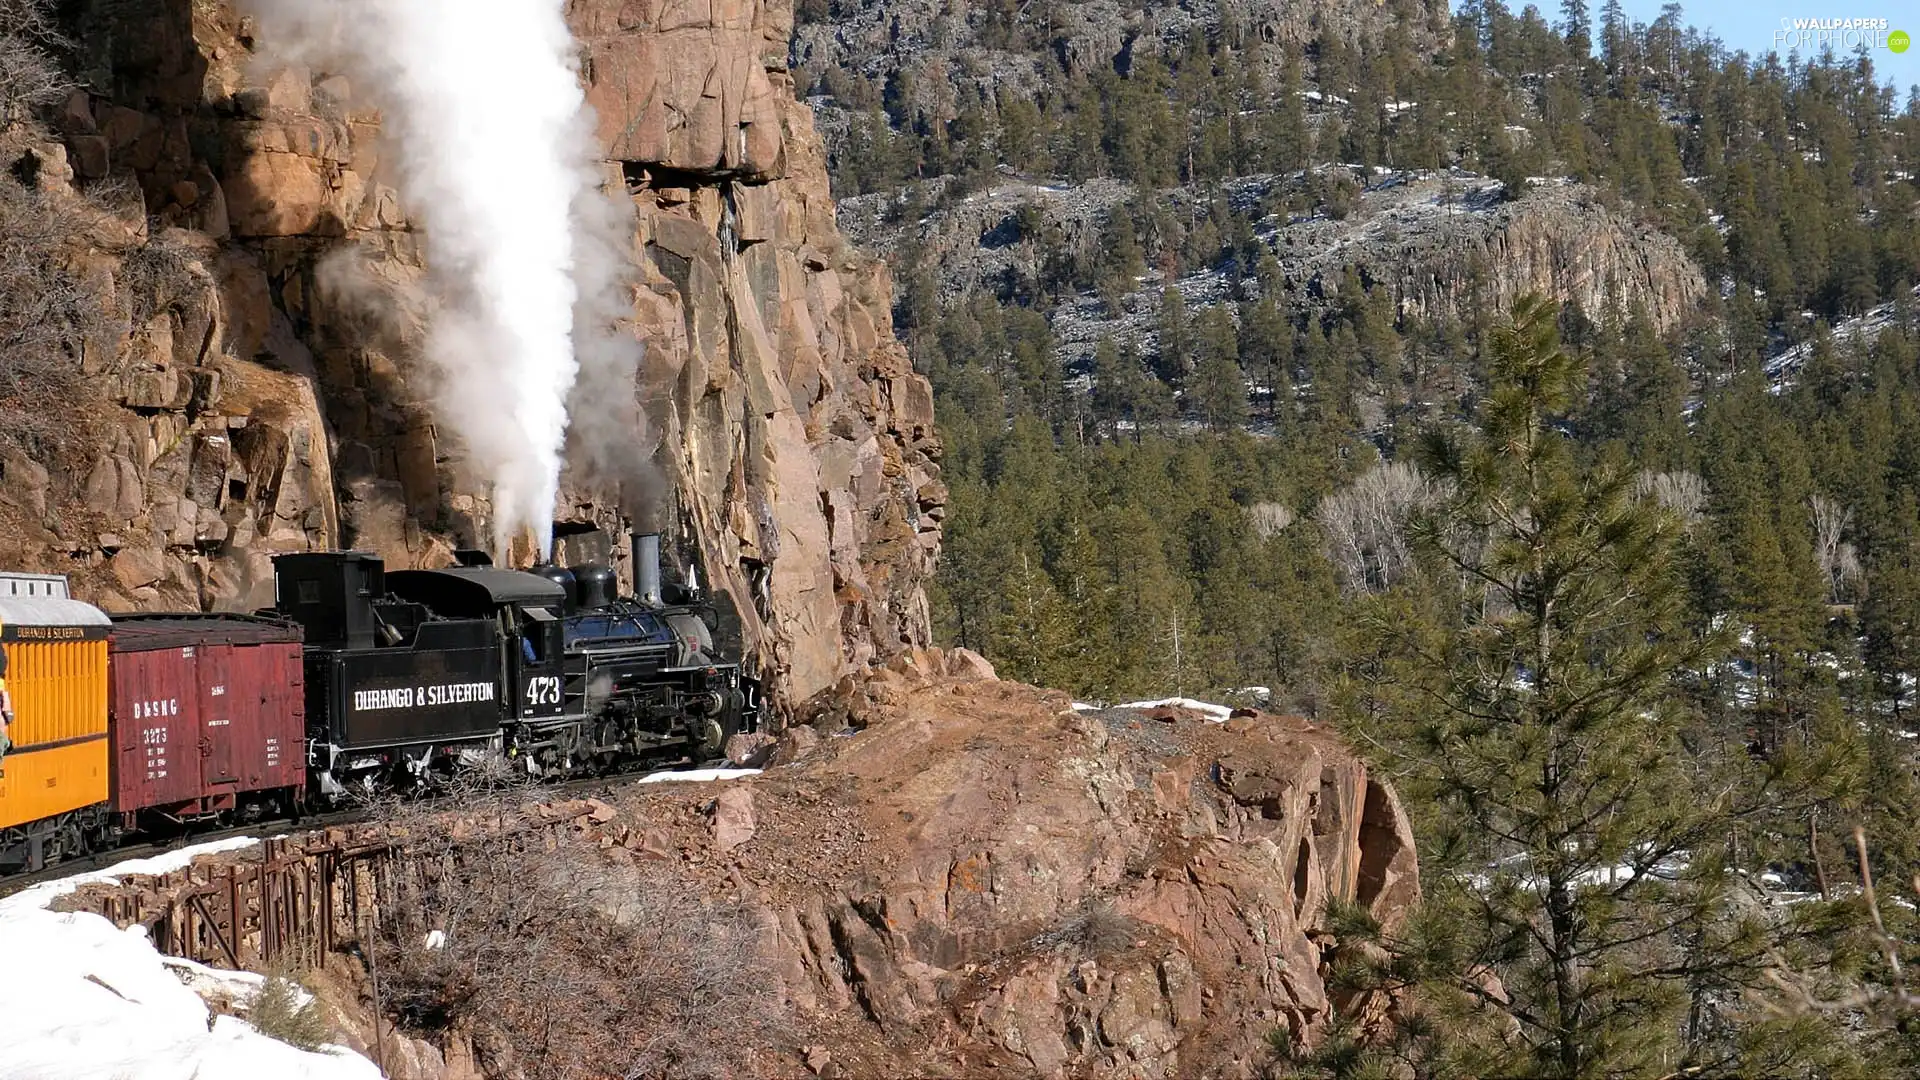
(964, 663)
(732, 818)
(751, 750)
(271, 194)
(137, 568)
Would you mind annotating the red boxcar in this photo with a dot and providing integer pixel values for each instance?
(206, 716)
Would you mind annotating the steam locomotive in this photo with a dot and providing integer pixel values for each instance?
(389, 681)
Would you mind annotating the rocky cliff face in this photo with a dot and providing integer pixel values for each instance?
(253, 400)
(1023, 886)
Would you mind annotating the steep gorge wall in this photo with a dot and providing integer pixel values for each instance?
(254, 401)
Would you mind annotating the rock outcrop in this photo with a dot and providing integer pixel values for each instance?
(1019, 885)
(942, 56)
(955, 876)
(255, 400)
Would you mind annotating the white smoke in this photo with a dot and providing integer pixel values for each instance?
(495, 152)
(609, 440)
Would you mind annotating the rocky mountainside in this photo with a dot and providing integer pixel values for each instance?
(952, 875)
(1442, 243)
(971, 99)
(245, 402)
(952, 52)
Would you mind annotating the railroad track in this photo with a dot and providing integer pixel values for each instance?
(266, 830)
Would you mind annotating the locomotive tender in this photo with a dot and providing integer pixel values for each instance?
(357, 681)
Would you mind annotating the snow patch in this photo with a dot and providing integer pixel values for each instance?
(39, 896)
(104, 1004)
(233, 988)
(697, 776)
(1216, 713)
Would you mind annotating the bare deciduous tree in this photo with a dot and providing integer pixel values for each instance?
(1839, 562)
(1684, 493)
(1365, 525)
(1270, 519)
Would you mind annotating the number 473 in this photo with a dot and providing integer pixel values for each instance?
(543, 690)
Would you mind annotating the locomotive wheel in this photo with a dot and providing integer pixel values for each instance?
(713, 737)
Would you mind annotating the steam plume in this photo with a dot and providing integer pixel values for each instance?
(495, 153)
(609, 440)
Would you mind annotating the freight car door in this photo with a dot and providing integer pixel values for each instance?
(156, 731)
(217, 707)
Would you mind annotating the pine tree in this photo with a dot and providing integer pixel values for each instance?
(1890, 617)
(1217, 393)
(1284, 136)
(1576, 23)
(1088, 665)
(1033, 638)
(1175, 337)
(1266, 352)
(1546, 728)
(1613, 37)
(1124, 396)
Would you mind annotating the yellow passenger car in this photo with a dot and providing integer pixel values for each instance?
(53, 793)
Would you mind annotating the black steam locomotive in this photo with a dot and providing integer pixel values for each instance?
(412, 675)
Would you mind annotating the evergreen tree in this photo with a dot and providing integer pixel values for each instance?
(1174, 336)
(1890, 617)
(1547, 729)
(1034, 637)
(1217, 393)
(1576, 24)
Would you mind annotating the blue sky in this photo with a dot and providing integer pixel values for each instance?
(1750, 24)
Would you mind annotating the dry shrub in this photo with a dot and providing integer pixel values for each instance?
(283, 1009)
(568, 964)
(30, 74)
(1095, 928)
(46, 312)
(46, 309)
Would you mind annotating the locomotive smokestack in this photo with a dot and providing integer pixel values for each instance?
(646, 567)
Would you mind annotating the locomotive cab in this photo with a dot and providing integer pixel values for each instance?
(399, 689)
(526, 608)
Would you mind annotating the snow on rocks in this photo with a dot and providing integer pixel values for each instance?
(1217, 713)
(39, 896)
(1784, 367)
(104, 1004)
(696, 776)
